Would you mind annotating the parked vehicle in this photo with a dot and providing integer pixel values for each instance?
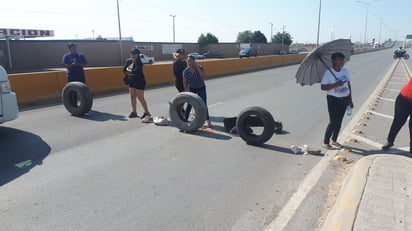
(197, 55)
(8, 100)
(146, 59)
(247, 52)
(280, 52)
(214, 54)
(293, 52)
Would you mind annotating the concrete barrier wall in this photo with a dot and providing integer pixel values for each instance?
(43, 87)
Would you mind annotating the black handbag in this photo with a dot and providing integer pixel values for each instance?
(126, 80)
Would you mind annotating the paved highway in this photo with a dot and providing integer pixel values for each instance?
(107, 172)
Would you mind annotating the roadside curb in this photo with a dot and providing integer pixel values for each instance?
(343, 214)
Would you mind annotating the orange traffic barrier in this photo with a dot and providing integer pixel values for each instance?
(42, 87)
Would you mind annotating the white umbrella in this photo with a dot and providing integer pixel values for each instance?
(315, 64)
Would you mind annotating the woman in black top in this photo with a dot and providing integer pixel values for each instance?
(134, 77)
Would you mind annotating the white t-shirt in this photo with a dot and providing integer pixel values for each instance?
(342, 75)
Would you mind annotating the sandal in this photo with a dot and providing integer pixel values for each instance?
(145, 114)
(336, 144)
(327, 146)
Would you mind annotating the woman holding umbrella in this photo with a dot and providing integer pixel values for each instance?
(336, 82)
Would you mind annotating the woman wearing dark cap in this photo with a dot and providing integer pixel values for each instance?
(403, 110)
(178, 67)
(336, 82)
(134, 78)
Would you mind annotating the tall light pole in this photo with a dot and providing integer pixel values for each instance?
(120, 33)
(320, 8)
(271, 31)
(283, 34)
(380, 28)
(173, 16)
(365, 40)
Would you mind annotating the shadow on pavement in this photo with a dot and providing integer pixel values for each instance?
(103, 116)
(278, 149)
(20, 152)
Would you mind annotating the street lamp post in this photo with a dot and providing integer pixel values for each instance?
(271, 31)
(173, 16)
(380, 28)
(320, 8)
(283, 34)
(365, 40)
(120, 33)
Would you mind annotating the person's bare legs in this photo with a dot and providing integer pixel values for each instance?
(133, 95)
(140, 96)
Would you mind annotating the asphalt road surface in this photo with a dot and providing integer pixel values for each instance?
(107, 172)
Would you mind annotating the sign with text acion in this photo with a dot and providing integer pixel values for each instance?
(25, 33)
(409, 36)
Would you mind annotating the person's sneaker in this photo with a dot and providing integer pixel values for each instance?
(145, 114)
(133, 115)
(387, 146)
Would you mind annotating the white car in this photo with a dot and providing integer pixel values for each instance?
(197, 56)
(146, 59)
(9, 109)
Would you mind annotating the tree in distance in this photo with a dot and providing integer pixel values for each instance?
(209, 38)
(285, 36)
(251, 37)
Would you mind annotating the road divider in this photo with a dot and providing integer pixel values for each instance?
(43, 87)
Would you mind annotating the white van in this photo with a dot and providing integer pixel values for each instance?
(8, 100)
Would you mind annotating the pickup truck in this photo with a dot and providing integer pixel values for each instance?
(9, 109)
(146, 59)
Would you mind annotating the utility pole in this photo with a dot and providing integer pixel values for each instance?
(365, 39)
(271, 32)
(173, 16)
(320, 8)
(283, 34)
(120, 33)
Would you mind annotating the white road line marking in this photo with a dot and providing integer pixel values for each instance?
(215, 104)
(367, 141)
(387, 99)
(397, 83)
(381, 114)
(297, 198)
(388, 89)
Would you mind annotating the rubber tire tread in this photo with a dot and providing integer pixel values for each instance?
(176, 116)
(246, 133)
(86, 99)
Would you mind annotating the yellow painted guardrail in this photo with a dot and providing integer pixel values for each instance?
(43, 87)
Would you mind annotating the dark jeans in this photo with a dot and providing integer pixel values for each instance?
(202, 93)
(179, 86)
(403, 110)
(336, 108)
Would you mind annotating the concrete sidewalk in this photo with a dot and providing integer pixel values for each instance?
(376, 195)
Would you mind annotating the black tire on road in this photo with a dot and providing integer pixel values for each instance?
(77, 98)
(255, 116)
(176, 108)
(406, 56)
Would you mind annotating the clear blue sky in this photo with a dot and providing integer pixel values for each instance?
(150, 20)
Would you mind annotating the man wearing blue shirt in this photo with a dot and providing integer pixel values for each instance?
(74, 62)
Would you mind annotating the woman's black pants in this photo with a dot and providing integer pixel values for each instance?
(336, 108)
(403, 110)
